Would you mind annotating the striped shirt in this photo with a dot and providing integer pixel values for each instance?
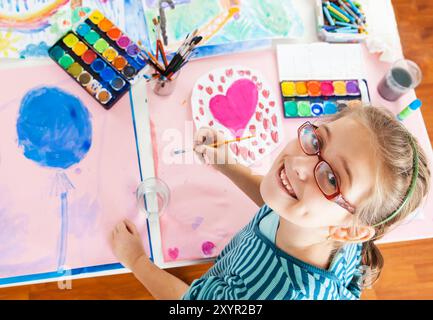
(252, 267)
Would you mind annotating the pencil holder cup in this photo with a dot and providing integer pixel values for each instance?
(334, 37)
(166, 86)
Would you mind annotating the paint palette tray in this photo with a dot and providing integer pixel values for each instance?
(99, 57)
(88, 69)
(315, 98)
(114, 45)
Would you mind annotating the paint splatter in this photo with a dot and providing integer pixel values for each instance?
(207, 248)
(197, 222)
(54, 128)
(173, 253)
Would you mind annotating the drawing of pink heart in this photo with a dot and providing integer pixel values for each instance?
(173, 253)
(235, 109)
(207, 248)
(266, 124)
(259, 116)
(237, 102)
(253, 129)
(274, 120)
(251, 155)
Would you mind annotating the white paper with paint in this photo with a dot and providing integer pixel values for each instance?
(239, 102)
(320, 61)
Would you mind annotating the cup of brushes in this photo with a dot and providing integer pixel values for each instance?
(165, 73)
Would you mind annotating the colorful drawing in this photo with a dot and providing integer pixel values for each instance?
(135, 24)
(226, 25)
(238, 102)
(68, 172)
(54, 131)
(36, 24)
(29, 16)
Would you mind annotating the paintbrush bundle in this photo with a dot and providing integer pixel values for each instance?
(166, 70)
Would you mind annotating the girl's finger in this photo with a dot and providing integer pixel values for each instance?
(120, 226)
(204, 135)
(200, 151)
(130, 227)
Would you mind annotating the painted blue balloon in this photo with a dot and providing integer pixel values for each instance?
(54, 128)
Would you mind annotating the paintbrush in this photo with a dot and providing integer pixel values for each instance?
(214, 145)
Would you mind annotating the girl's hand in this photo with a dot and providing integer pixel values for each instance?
(219, 155)
(127, 244)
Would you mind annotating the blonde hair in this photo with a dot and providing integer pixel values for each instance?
(394, 149)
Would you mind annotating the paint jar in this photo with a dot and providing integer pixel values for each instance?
(403, 76)
(153, 196)
(166, 86)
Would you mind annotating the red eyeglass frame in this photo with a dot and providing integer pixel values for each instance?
(336, 197)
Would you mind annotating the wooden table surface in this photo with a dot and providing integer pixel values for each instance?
(408, 271)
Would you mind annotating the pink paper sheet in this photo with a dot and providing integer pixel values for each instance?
(205, 205)
(104, 184)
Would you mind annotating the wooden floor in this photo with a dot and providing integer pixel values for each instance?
(408, 271)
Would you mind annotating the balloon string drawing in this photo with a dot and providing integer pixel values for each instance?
(55, 132)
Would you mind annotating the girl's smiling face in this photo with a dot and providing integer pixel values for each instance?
(290, 187)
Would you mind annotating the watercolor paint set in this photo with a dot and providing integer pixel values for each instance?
(315, 98)
(99, 57)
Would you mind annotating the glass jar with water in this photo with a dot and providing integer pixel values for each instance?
(153, 196)
(403, 76)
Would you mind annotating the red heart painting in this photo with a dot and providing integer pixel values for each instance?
(235, 109)
(238, 102)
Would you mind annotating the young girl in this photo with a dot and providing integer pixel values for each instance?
(328, 195)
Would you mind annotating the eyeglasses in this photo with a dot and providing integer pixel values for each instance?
(325, 177)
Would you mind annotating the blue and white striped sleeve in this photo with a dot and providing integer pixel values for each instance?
(216, 288)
